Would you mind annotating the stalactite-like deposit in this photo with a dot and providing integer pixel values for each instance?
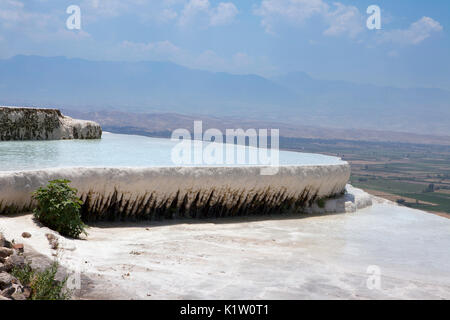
(124, 194)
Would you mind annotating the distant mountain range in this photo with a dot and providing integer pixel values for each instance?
(163, 124)
(295, 98)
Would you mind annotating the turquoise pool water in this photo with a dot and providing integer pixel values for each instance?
(117, 150)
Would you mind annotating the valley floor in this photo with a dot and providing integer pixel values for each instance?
(416, 175)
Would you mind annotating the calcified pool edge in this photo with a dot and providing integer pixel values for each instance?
(121, 194)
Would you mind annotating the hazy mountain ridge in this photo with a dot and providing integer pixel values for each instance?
(167, 87)
(163, 124)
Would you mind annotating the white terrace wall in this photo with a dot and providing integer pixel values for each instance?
(185, 191)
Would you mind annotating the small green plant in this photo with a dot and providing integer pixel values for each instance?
(59, 208)
(321, 203)
(43, 284)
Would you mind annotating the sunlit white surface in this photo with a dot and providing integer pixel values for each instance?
(287, 257)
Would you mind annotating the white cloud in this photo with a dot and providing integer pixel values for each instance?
(393, 54)
(209, 60)
(414, 34)
(241, 59)
(111, 8)
(168, 15)
(145, 10)
(183, 11)
(196, 10)
(345, 20)
(12, 14)
(238, 63)
(16, 21)
(291, 11)
(223, 14)
(160, 50)
(340, 19)
(192, 9)
(167, 51)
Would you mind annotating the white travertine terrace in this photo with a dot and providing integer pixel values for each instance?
(113, 192)
(143, 189)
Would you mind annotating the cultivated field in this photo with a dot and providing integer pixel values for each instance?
(417, 176)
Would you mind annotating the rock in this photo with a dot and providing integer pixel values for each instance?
(18, 296)
(52, 240)
(4, 243)
(14, 261)
(43, 124)
(81, 129)
(5, 280)
(2, 267)
(5, 252)
(18, 247)
(54, 244)
(26, 235)
(27, 292)
(50, 236)
(8, 291)
(7, 244)
(14, 289)
(3, 298)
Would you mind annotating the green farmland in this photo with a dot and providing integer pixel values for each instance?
(417, 176)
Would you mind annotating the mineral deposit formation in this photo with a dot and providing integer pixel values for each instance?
(43, 124)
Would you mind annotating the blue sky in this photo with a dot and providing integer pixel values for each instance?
(327, 39)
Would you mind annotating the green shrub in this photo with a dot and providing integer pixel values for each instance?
(321, 203)
(43, 284)
(59, 208)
